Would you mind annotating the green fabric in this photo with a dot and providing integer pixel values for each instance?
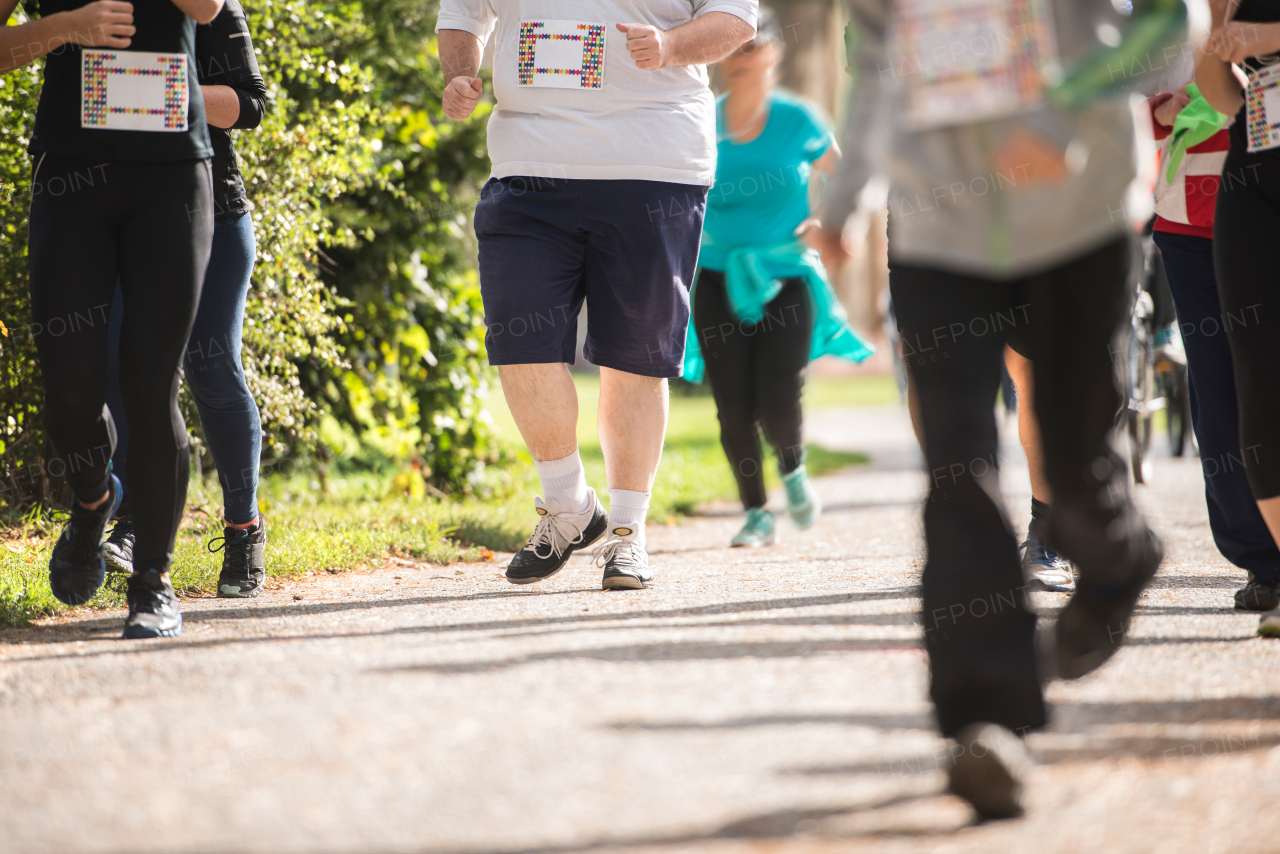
(1197, 122)
(750, 288)
(1106, 70)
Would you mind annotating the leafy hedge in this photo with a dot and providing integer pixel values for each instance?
(363, 338)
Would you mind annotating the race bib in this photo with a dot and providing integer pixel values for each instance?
(133, 90)
(561, 55)
(960, 61)
(1262, 118)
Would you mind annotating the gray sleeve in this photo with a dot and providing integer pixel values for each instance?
(868, 127)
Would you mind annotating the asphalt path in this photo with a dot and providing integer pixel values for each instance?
(750, 701)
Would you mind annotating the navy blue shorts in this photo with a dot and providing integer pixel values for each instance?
(630, 247)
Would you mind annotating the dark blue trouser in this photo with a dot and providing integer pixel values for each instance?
(1237, 525)
(214, 373)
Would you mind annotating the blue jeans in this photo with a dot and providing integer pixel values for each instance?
(215, 375)
(1238, 528)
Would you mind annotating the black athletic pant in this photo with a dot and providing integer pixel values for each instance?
(150, 225)
(1246, 223)
(979, 627)
(756, 373)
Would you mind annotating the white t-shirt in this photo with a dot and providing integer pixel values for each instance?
(565, 111)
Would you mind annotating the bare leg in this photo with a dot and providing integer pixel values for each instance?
(1270, 508)
(633, 422)
(544, 403)
(1021, 371)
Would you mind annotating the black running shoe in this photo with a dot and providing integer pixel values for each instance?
(989, 766)
(1094, 622)
(626, 566)
(153, 607)
(557, 536)
(1258, 595)
(118, 549)
(76, 568)
(244, 561)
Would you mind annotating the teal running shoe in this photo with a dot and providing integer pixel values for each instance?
(758, 530)
(803, 505)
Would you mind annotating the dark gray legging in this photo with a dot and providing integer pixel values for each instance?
(150, 225)
(1246, 223)
(757, 376)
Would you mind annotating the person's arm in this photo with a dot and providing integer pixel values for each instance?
(705, 39)
(106, 23)
(203, 11)
(1164, 111)
(235, 95)
(1231, 43)
(221, 105)
(460, 54)
(1105, 71)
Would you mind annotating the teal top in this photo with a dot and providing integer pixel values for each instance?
(760, 196)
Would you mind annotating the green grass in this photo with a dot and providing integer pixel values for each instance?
(359, 519)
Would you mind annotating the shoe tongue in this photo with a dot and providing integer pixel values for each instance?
(549, 507)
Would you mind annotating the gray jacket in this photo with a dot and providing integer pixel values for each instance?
(947, 204)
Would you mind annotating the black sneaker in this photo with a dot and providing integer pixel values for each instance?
(76, 568)
(244, 561)
(117, 551)
(989, 766)
(153, 607)
(1094, 622)
(1258, 595)
(626, 566)
(557, 536)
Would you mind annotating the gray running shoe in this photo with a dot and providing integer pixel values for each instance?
(988, 769)
(626, 566)
(1044, 568)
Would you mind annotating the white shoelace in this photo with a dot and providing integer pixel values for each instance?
(551, 529)
(610, 548)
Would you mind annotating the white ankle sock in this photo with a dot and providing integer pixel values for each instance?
(627, 509)
(566, 482)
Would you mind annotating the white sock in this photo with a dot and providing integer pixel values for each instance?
(566, 482)
(627, 509)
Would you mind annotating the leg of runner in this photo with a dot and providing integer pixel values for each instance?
(118, 549)
(228, 414)
(731, 364)
(1044, 568)
(152, 223)
(1238, 527)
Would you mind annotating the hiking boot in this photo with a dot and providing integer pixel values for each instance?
(1095, 620)
(803, 505)
(153, 607)
(77, 568)
(117, 551)
(1258, 595)
(244, 562)
(1044, 568)
(758, 530)
(557, 536)
(626, 566)
(989, 766)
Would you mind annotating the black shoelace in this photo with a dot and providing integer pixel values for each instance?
(236, 545)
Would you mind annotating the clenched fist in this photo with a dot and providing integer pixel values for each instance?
(648, 45)
(461, 96)
(106, 23)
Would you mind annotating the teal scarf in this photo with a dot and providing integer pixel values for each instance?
(749, 288)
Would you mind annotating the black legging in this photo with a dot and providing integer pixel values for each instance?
(1246, 223)
(757, 377)
(150, 224)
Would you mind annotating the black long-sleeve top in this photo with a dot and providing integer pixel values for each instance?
(224, 57)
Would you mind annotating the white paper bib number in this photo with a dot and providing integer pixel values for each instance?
(959, 61)
(561, 55)
(133, 90)
(1262, 119)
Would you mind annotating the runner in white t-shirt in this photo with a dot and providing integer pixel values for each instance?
(603, 147)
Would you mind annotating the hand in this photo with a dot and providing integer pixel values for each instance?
(106, 23)
(648, 45)
(1034, 157)
(831, 246)
(1239, 40)
(1219, 10)
(1167, 113)
(461, 96)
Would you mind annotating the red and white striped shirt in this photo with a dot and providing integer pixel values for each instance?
(1186, 206)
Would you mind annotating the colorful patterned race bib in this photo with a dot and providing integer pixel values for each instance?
(133, 90)
(1262, 119)
(960, 61)
(561, 55)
